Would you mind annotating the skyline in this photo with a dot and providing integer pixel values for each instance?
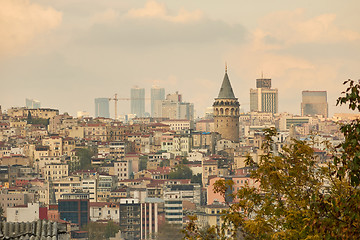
(66, 54)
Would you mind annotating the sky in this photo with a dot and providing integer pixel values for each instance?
(65, 53)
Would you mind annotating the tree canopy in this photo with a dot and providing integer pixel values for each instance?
(181, 172)
(298, 197)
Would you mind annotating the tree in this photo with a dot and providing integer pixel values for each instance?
(196, 178)
(298, 197)
(101, 230)
(181, 172)
(85, 155)
(1, 214)
(143, 163)
(169, 231)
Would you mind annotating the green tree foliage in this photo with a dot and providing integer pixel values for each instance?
(2, 214)
(85, 155)
(169, 231)
(196, 178)
(143, 163)
(38, 121)
(165, 163)
(297, 197)
(101, 230)
(181, 172)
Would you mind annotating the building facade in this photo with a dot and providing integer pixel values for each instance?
(137, 98)
(226, 112)
(174, 108)
(130, 218)
(75, 208)
(264, 98)
(314, 103)
(157, 96)
(102, 107)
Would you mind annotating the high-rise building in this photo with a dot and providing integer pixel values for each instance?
(314, 103)
(264, 98)
(157, 96)
(174, 108)
(102, 107)
(130, 218)
(226, 112)
(137, 97)
(32, 103)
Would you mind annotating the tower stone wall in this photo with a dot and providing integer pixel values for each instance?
(226, 112)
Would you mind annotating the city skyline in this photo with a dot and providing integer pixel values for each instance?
(66, 55)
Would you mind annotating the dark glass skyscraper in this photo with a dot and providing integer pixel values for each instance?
(102, 107)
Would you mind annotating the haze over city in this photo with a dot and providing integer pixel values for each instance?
(66, 53)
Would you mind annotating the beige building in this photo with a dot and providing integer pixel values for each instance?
(35, 113)
(178, 124)
(65, 185)
(55, 144)
(95, 132)
(209, 168)
(122, 169)
(56, 171)
(11, 199)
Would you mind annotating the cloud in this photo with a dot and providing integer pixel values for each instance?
(298, 53)
(21, 21)
(293, 27)
(155, 10)
(107, 16)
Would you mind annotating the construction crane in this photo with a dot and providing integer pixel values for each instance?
(116, 99)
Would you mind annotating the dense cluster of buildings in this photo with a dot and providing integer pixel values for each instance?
(148, 171)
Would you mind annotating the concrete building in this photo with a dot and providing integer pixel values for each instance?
(174, 108)
(10, 199)
(104, 211)
(173, 211)
(122, 169)
(226, 112)
(179, 124)
(26, 213)
(264, 98)
(149, 217)
(130, 218)
(137, 98)
(157, 96)
(56, 171)
(102, 107)
(32, 103)
(189, 192)
(314, 103)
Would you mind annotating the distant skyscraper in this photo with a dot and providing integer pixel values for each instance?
(314, 103)
(264, 98)
(174, 108)
(157, 96)
(32, 103)
(137, 97)
(102, 107)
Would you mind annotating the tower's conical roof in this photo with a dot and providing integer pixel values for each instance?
(226, 89)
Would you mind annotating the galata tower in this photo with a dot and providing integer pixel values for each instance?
(226, 112)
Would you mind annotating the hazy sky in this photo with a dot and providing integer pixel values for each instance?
(65, 53)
